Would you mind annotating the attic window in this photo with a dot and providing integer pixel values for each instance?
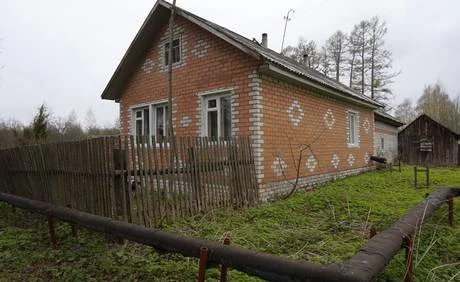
(176, 54)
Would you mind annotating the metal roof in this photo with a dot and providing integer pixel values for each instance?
(387, 118)
(248, 46)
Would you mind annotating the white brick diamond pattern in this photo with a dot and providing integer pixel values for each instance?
(279, 166)
(295, 113)
(329, 119)
(366, 125)
(148, 65)
(351, 160)
(311, 163)
(335, 161)
(367, 158)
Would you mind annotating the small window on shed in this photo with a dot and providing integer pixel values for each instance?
(382, 144)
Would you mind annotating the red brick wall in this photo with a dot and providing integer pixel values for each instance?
(208, 63)
(282, 129)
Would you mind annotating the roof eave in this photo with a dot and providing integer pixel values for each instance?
(394, 122)
(273, 70)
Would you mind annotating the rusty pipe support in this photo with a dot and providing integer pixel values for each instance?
(203, 264)
(52, 229)
(408, 245)
(73, 226)
(223, 267)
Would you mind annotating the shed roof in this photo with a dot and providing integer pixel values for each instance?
(433, 120)
(159, 15)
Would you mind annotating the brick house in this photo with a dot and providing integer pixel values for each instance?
(225, 84)
(386, 135)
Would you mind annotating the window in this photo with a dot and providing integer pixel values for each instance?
(142, 122)
(176, 55)
(161, 121)
(382, 145)
(218, 116)
(151, 120)
(353, 129)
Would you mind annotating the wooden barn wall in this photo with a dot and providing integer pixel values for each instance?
(445, 144)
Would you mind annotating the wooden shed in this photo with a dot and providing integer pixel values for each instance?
(427, 142)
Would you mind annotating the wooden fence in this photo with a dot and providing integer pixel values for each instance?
(140, 181)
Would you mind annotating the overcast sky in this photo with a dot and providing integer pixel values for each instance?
(63, 52)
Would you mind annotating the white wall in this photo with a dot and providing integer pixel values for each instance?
(390, 141)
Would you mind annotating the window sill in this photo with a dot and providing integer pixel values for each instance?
(353, 145)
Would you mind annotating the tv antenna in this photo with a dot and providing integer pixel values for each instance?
(286, 19)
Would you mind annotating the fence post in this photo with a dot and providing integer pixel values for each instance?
(450, 203)
(415, 176)
(427, 176)
(231, 173)
(195, 177)
(119, 166)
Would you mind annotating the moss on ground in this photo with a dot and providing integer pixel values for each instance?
(325, 225)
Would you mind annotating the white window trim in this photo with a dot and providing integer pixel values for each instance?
(356, 129)
(179, 37)
(152, 117)
(205, 97)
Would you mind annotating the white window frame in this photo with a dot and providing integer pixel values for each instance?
(140, 109)
(165, 49)
(152, 107)
(204, 112)
(353, 129)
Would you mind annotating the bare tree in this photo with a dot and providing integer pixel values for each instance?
(336, 48)
(405, 112)
(360, 40)
(435, 102)
(305, 52)
(379, 62)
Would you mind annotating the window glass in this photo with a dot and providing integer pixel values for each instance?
(226, 116)
(146, 121)
(160, 132)
(212, 124)
(175, 52)
(352, 128)
(212, 103)
(139, 127)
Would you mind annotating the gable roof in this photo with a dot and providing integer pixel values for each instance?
(271, 61)
(433, 120)
(387, 118)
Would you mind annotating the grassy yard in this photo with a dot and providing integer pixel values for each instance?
(325, 225)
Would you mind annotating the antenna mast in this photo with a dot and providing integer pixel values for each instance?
(286, 18)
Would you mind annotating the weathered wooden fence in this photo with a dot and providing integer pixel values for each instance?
(140, 181)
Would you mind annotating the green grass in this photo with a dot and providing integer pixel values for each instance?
(326, 225)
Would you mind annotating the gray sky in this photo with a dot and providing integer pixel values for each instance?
(63, 52)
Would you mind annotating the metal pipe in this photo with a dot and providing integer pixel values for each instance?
(365, 265)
